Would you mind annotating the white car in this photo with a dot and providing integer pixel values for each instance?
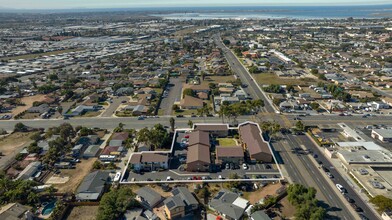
(341, 188)
(220, 177)
(245, 166)
(168, 178)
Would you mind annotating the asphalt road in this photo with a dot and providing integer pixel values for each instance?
(243, 74)
(301, 170)
(337, 177)
(112, 122)
(174, 95)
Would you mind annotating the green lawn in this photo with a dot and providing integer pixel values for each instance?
(271, 78)
(185, 112)
(226, 142)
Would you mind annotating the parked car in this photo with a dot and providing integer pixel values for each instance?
(169, 178)
(341, 188)
(349, 199)
(329, 175)
(245, 166)
(356, 207)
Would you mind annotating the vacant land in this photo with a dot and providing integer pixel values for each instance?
(255, 196)
(12, 145)
(28, 101)
(271, 78)
(217, 79)
(286, 208)
(35, 55)
(226, 142)
(83, 212)
(75, 175)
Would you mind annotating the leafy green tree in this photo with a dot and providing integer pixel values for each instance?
(190, 123)
(172, 123)
(33, 148)
(36, 137)
(115, 203)
(189, 92)
(20, 127)
(226, 42)
(273, 88)
(383, 203)
(300, 126)
(314, 105)
(175, 108)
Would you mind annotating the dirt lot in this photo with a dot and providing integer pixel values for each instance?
(12, 144)
(271, 78)
(287, 209)
(75, 175)
(28, 101)
(83, 212)
(217, 79)
(255, 196)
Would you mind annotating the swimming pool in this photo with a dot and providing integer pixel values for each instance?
(48, 208)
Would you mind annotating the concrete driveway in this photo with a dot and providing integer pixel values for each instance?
(116, 102)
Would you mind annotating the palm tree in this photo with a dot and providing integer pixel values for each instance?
(172, 123)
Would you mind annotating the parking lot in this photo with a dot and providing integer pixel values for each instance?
(177, 172)
(173, 95)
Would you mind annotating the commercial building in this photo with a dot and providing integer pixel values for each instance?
(384, 135)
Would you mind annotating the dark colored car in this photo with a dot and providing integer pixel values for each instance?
(350, 200)
(356, 208)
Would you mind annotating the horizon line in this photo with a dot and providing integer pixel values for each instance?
(4, 9)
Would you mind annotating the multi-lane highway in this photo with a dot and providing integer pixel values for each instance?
(302, 170)
(303, 139)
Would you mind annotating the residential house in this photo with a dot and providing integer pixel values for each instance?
(81, 109)
(29, 171)
(189, 102)
(91, 151)
(93, 186)
(15, 211)
(122, 136)
(111, 153)
(181, 204)
(259, 215)
(39, 109)
(253, 142)
(228, 204)
(149, 161)
(124, 91)
(148, 198)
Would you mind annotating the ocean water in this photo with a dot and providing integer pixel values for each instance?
(276, 12)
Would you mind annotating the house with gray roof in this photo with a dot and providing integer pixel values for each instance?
(148, 198)
(228, 204)
(15, 211)
(91, 151)
(93, 186)
(39, 109)
(81, 109)
(29, 171)
(181, 204)
(259, 215)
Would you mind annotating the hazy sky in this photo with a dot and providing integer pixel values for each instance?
(66, 4)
